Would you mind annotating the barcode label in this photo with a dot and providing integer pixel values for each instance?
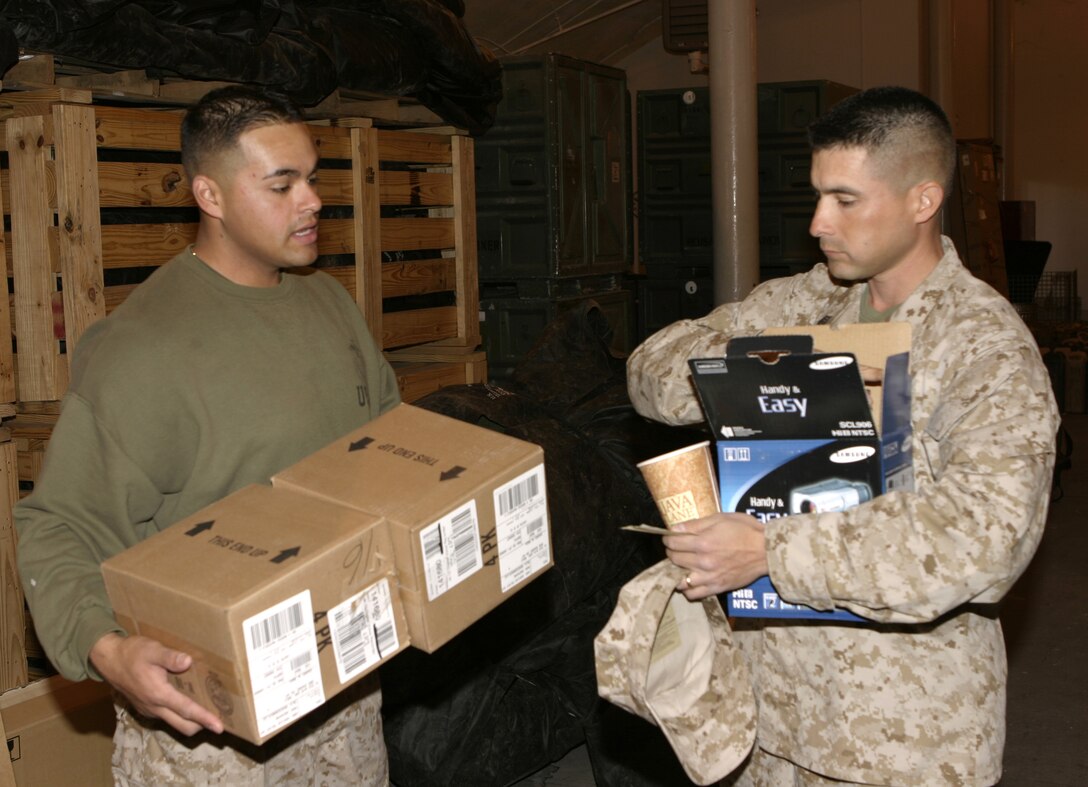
(432, 544)
(451, 549)
(521, 525)
(519, 495)
(281, 651)
(268, 631)
(363, 630)
(464, 531)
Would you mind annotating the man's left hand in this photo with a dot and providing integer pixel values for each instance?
(721, 552)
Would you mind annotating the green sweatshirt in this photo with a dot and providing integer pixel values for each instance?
(194, 387)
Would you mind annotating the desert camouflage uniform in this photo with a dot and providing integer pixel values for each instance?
(920, 698)
(338, 745)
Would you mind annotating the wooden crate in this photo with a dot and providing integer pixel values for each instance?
(13, 662)
(99, 198)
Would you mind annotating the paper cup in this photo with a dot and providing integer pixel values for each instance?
(683, 483)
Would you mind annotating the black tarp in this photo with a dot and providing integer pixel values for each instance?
(412, 48)
(517, 690)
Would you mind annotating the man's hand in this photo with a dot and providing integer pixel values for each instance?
(721, 552)
(139, 668)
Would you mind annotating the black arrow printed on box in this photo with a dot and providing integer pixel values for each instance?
(360, 444)
(286, 554)
(199, 528)
(453, 472)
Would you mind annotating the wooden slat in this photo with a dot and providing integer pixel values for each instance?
(37, 68)
(7, 360)
(464, 207)
(418, 326)
(39, 367)
(334, 186)
(29, 459)
(78, 219)
(418, 277)
(138, 129)
(144, 245)
(368, 229)
(415, 234)
(332, 143)
(416, 188)
(128, 184)
(116, 294)
(416, 380)
(50, 185)
(13, 669)
(414, 147)
(336, 236)
(133, 82)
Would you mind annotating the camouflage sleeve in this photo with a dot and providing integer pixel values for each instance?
(983, 466)
(658, 379)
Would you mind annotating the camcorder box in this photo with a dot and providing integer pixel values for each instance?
(466, 507)
(282, 601)
(807, 419)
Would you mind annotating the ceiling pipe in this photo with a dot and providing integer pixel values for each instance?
(564, 30)
(734, 166)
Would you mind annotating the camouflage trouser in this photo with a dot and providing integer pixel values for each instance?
(765, 770)
(340, 743)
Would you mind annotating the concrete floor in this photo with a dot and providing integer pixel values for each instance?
(1045, 618)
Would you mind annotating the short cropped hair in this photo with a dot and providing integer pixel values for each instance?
(213, 125)
(907, 135)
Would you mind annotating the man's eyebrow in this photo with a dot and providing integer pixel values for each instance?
(288, 172)
(838, 190)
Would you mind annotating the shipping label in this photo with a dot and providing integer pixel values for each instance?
(281, 650)
(451, 549)
(363, 630)
(521, 523)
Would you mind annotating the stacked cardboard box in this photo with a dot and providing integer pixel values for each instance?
(405, 531)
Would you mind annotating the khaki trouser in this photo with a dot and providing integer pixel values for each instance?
(339, 744)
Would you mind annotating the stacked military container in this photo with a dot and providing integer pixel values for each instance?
(553, 204)
(786, 199)
(675, 222)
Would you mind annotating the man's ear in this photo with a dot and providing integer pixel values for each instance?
(930, 198)
(207, 195)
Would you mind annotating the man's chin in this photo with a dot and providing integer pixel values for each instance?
(843, 271)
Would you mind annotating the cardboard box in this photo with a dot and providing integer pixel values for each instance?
(281, 599)
(796, 432)
(466, 508)
(59, 732)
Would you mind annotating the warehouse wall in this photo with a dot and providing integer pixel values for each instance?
(1046, 151)
(1006, 69)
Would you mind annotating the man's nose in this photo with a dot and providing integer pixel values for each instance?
(819, 227)
(311, 200)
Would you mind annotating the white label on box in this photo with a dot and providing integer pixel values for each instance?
(281, 649)
(363, 630)
(451, 549)
(521, 523)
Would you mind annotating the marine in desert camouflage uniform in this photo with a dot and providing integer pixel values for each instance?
(919, 696)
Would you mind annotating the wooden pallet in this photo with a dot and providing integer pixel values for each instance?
(41, 70)
(400, 195)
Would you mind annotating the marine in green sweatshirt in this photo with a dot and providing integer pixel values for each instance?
(170, 406)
